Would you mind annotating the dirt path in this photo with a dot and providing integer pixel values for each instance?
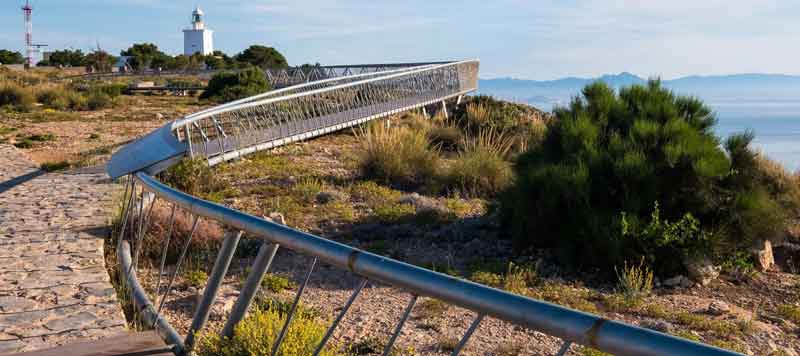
(54, 288)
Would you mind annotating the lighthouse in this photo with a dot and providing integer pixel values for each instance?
(198, 39)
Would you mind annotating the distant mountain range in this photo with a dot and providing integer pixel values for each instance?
(547, 93)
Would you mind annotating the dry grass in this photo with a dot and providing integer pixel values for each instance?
(396, 155)
(634, 282)
(207, 236)
(478, 115)
(482, 168)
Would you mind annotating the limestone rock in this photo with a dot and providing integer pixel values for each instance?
(276, 218)
(701, 270)
(422, 204)
(658, 325)
(718, 308)
(763, 254)
(326, 197)
(674, 281)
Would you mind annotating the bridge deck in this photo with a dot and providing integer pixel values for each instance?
(129, 344)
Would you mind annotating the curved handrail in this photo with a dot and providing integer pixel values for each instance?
(583, 328)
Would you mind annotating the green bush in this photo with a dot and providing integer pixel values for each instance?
(16, 97)
(54, 166)
(275, 283)
(76, 101)
(196, 278)
(24, 143)
(229, 86)
(192, 176)
(611, 153)
(53, 98)
(113, 90)
(98, 100)
(256, 334)
(484, 112)
(446, 137)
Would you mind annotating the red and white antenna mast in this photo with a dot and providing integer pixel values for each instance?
(28, 10)
(30, 47)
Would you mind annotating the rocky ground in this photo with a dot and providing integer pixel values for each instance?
(87, 138)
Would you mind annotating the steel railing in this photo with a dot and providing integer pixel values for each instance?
(391, 93)
(278, 77)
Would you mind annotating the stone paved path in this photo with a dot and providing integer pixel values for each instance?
(54, 288)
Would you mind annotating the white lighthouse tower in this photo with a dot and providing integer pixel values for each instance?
(198, 38)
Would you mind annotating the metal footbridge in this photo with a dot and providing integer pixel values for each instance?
(304, 111)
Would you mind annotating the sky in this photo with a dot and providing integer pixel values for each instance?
(512, 38)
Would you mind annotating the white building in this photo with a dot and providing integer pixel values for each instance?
(198, 38)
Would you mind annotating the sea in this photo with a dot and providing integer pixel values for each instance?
(776, 124)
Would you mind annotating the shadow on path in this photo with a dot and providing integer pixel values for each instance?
(13, 182)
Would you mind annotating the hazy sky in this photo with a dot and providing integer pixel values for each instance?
(524, 39)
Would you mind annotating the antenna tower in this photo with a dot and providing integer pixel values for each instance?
(29, 50)
(30, 47)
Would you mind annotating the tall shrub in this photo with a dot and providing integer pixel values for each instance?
(611, 153)
(229, 86)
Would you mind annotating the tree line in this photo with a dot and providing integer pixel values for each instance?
(149, 56)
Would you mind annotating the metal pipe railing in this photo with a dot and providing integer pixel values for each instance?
(571, 325)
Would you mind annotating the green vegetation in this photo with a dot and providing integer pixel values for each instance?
(588, 351)
(256, 334)
(196, 278)
(262, 57)
(146, 55)
(399, 155)
(192, 176)
(65, 58)
(639, 173)
(482, 168)
(469, 155)
(16, 97)
(229, 86)
(11, 57)
(54, 166)
(634, 282)
(516, 278)
(30, 141)
(790, 312)
(276, 283)
(100, 60)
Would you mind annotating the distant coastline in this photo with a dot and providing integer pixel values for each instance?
(768, 104)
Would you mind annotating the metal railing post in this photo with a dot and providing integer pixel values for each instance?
(339, 317)
(467, 335)
(223, 261)
(388, 349)
(266, 253)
